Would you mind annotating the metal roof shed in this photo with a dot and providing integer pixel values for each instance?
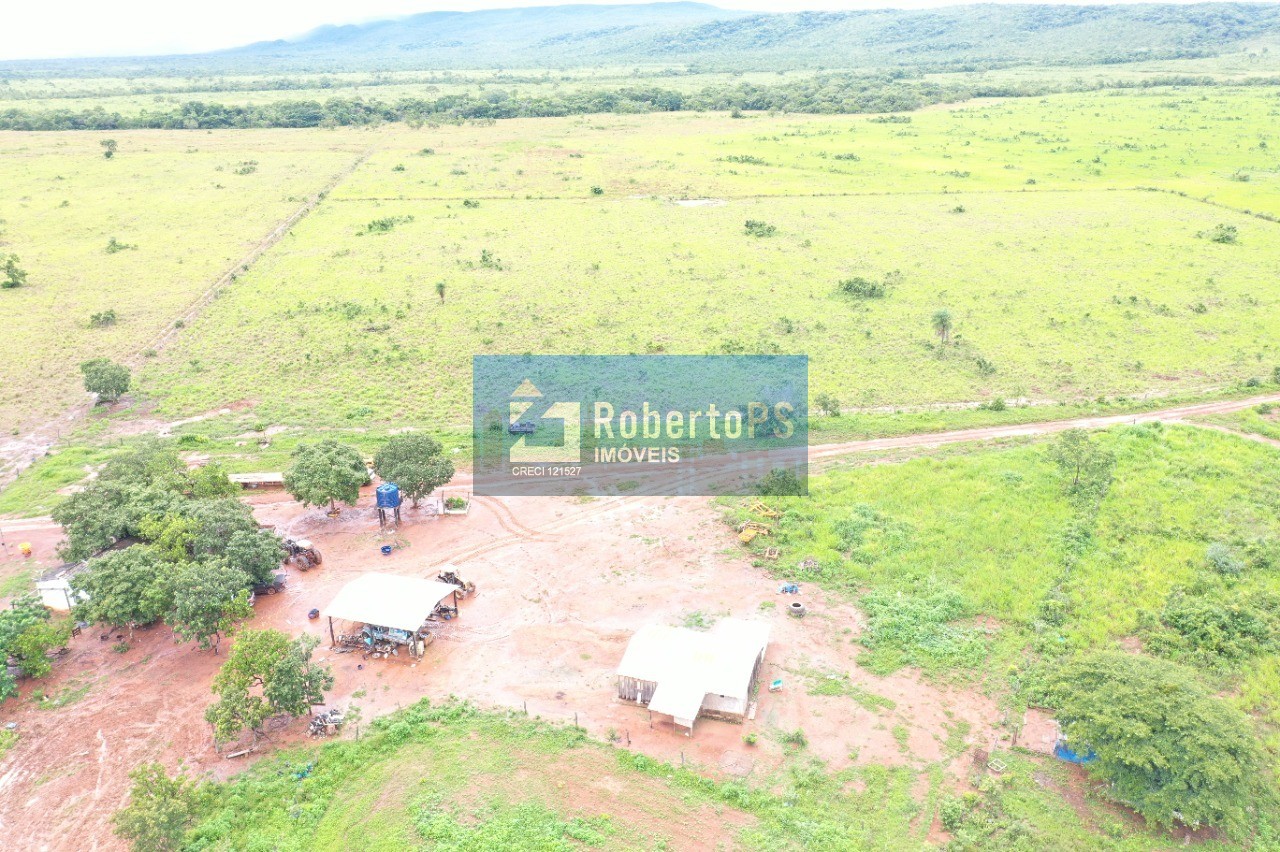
(388, 600)
(687, 673)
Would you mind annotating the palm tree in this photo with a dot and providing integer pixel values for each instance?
(942, 325)
(440, 290)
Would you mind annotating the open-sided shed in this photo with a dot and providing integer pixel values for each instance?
(388, 600)
(689, 673)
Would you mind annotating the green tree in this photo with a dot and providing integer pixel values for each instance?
(210, 481)
(326, 472)
(159, 811)
(266, 674)
(14, 275)
(258, 553)
(208, 599)
(103, 377)
(170, 535)
(1086, 467)
(22, 615)
(942, 325)
(415, 462)
(216, 522)
(124, 588)
(109, 148)
(1168, 747)
(31, 648)
(440, 291)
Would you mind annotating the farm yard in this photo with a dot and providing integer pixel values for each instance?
(1044, 352)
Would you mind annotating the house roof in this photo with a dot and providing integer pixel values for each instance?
(389, 600)
(689, 664)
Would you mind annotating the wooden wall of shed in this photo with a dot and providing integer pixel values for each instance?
(633, 689)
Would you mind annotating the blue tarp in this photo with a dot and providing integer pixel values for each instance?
(1061, 752)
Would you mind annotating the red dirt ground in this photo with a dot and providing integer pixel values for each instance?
(562, 584)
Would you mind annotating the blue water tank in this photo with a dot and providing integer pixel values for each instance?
(388, 495)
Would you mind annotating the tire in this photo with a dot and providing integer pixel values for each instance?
(315, 556)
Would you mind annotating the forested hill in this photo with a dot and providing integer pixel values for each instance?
(957, 37)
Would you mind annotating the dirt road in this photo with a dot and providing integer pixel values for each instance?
(1177, 414)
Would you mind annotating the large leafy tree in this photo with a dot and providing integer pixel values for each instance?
(216, 522)
(266, 674)
(107, 379)
(133, 490)
(258, 553)
(124, 588)
(210, 481)
(414, 462)
(160, 809)
(326, 472)
(208, 599)
(1169, 748)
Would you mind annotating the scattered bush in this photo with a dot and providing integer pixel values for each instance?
(756, 228)
(14, 275)
(827, 404)
(1223, 559)
(1226, 234)
(861, 288)
(102, 319)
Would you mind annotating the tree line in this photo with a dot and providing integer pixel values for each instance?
(821, 94)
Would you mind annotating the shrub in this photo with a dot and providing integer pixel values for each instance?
(1223, 559)
(827, 404)
(1226, 234)
(756, 228)
(862, 288)
(14, 275)
(102, 319)
(781, 483)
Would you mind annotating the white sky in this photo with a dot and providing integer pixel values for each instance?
(32, 29)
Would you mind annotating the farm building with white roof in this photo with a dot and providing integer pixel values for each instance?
(686, 673)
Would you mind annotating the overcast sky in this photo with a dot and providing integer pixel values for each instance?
(32, 29)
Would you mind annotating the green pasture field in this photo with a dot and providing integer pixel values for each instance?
(1263, 421)
(453, 777)
(1054, 295)
(1021, 217)
(940, 542)
(186, 206)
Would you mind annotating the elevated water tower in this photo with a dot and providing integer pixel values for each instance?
(388, 499)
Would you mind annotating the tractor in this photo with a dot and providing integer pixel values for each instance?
(301, 553)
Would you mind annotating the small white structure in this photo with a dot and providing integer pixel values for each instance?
(54, 587)
(689, 673)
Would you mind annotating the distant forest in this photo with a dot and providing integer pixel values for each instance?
(824, 94)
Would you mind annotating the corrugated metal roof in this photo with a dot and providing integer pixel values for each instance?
(718, 661)
(389, 600)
